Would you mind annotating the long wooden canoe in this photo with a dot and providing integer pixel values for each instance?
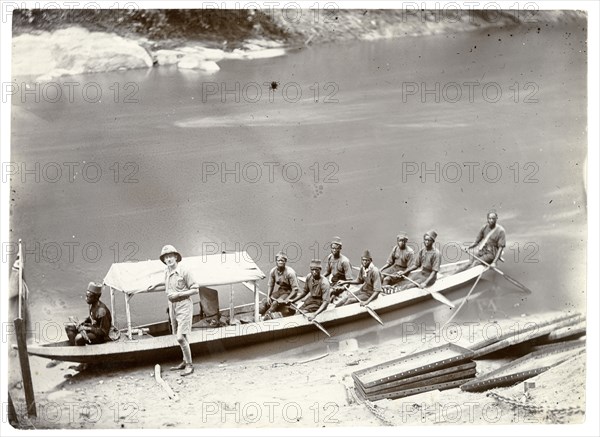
(156, 344)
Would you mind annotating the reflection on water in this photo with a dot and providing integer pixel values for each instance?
(425, 321)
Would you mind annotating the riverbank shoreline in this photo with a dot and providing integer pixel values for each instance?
(51, 44)
(289, 390)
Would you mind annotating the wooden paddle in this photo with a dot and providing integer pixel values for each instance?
(313, 321)
(504, 275)
(466, 297)
(435, 294)
(370, 310)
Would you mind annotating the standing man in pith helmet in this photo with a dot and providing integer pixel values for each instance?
(180, 287)
(399, 260)
(95, 328)
(429, 259)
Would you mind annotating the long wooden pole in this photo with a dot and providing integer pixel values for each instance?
(112, 306)
(504, 275)
(13, 419)
(231, 308)
(435, 294)
(25, 368)
(370, 310)
(466, 297)
(256, 303)
(20, 279)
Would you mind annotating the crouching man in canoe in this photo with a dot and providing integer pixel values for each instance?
(370, 279)
(180, 287)
(96, 327)
(429, 259)
(315, 294)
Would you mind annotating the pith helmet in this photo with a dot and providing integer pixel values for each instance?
(167, 250)
(366, 254)
(95, 288)
(431, 234)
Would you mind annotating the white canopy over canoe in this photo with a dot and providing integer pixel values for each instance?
(207, 270)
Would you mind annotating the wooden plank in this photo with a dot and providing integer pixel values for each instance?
(466, 375)
(397, 385)
(421, 362)
(413, 391)
(568, 331)
(506, 329)
(525, 367)
(535, 332)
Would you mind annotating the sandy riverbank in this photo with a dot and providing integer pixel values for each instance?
(289, 390)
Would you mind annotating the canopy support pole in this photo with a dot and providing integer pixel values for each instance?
(128, 312)
(256, 303)
(112, 306)
(231, 308)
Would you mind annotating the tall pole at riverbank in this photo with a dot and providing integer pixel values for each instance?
(21, 331)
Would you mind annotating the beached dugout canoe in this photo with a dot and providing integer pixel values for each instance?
(156, 344)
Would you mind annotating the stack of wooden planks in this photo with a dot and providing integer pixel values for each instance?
(439, 368)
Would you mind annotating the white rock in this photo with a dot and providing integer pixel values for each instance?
(196, 62)
(168, 57)
(74, 51)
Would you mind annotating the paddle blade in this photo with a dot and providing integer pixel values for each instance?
(318, 325)
(374, 315)
(441, 298)
(517, 283)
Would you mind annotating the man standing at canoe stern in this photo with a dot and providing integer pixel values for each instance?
(180, 287)
(95, 328)
(282, 282)
(338, 267)
(316, 291)
(490, 241)
(369, 277)
(399, 260)
(429, 259)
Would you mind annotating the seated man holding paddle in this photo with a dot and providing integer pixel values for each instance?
(490, 241)
(337, 267)
(315, 293)
(370, 279)
(282, 282)
(429, 259)
(399, 260)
